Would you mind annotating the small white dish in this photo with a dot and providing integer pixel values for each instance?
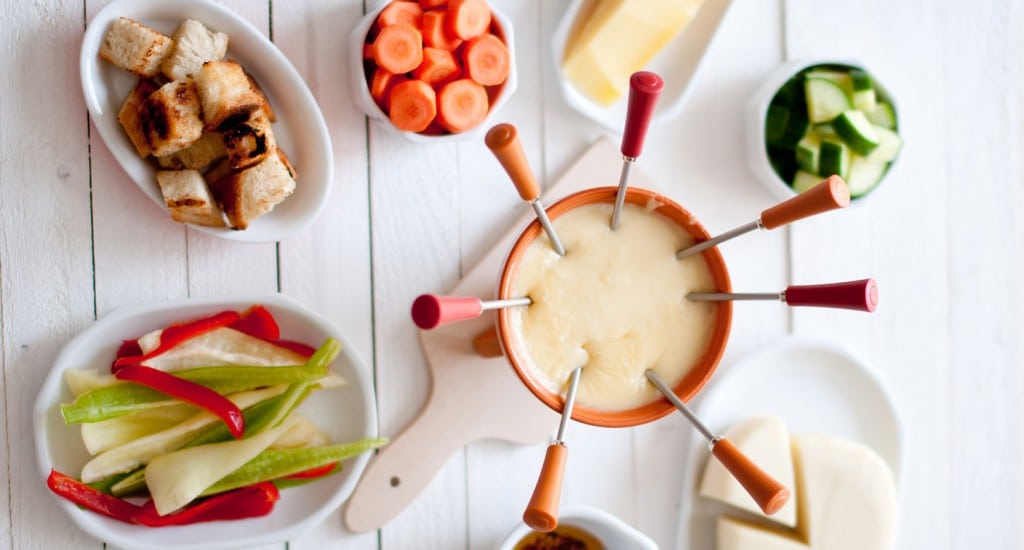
(610, 530)
(300, 128)
(815, 387)
(361, 90)
(757, 112)
(346, 414)
(678, 64)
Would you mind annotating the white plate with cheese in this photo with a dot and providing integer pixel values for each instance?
(814, 388)
(677, 62)
(300, 128)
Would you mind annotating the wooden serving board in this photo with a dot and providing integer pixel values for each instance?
(471, 397)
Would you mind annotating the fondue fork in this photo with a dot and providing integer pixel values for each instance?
(542, 511)
(859, 295)
(430, 311)
(830, 194)
(769, 494)
(644, 89)
(503, 141)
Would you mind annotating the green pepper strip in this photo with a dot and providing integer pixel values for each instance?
(121, 399)
(276, 463)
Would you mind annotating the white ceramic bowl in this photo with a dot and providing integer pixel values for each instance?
(757, 111)
(346, 414)
(361, 91)
(678, 64)
(300, 128)
(610, 530)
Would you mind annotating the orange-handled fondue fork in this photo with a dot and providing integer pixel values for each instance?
(827, 195)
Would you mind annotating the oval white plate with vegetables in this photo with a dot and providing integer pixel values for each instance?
(297, 187)
(160, 423)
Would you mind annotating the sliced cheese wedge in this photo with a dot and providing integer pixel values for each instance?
(733, 534)
(846, 494)
(765, 440)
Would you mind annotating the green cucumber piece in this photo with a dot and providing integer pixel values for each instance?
(856, 131)
(840, 78)
(775, 123)
(803, 181)
(882, 115)
(865, 100)
(889, 145)
(825, 100)
(865, 174)
(834, 158)
(807, 152)
(860, 80)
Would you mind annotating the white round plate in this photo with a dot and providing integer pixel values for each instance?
(815, 387)
(678, 64)
(300, 129)
(347, 413)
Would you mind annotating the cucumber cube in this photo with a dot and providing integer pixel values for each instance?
(864, 100)
(834, 158)
(865, 174)
(825, 100)
(856, 131)
(807, 152)
(803, 181)
(775, 124)
(889, 145)
(882, 115)
(840, 78)
(860, 80)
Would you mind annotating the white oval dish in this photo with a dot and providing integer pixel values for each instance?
(346, 414)
(678, 64)
(815, 387)
(361, 92)
(610, 530)
(300, 128)
(757, 112)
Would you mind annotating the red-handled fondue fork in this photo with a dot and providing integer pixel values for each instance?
(861, 295)
(644, 90)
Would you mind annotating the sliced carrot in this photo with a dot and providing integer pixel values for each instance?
(431, 4)
(380, 85)
(487, 60)
(401, 11)
(398, 48)
(461, 105)
(468, 18)
(413, 105)
(435, 32)
(438, 67)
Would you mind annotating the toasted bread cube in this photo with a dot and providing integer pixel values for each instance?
(251, 193)
(171, 117)
(208, 149)
(188, 198)
(287, 163)
(135, 47)
(249, 142)
(225, 93)
(194, 45)
(129, 118)
(267, 108)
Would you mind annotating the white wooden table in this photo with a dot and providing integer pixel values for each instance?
(943, 237)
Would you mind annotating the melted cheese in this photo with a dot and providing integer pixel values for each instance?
(616, 304)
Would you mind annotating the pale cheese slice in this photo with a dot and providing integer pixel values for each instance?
(737, 535)
(846, 493)
(765, 440)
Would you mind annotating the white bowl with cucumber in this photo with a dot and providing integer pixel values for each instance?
(812, 119)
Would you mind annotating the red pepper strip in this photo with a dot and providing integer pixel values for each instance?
(186, 391)
(128, 348)
(258, 322)
(91, 499)
(176, 334)
(248, 502)
(319, 471)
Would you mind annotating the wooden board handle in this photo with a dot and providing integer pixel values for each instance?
(827, 195)
(769, 494)
(542, 512)
(503, 141)
(487, 344)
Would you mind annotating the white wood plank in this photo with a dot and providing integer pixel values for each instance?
(46, 293)
(328, 265)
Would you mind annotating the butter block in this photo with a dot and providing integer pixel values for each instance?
(615, 38)
(765, 440)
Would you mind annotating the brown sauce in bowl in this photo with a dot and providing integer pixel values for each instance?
(564, 537)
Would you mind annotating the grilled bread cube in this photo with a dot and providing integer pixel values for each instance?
(188, 198)
(171, 117)
(266, 108)
(225, 93)
(250, 142)
(135, 47)
(208, 149)
(129, 118)
(194, 45)
(251, 193)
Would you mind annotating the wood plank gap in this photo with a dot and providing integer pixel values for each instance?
(7, 412)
